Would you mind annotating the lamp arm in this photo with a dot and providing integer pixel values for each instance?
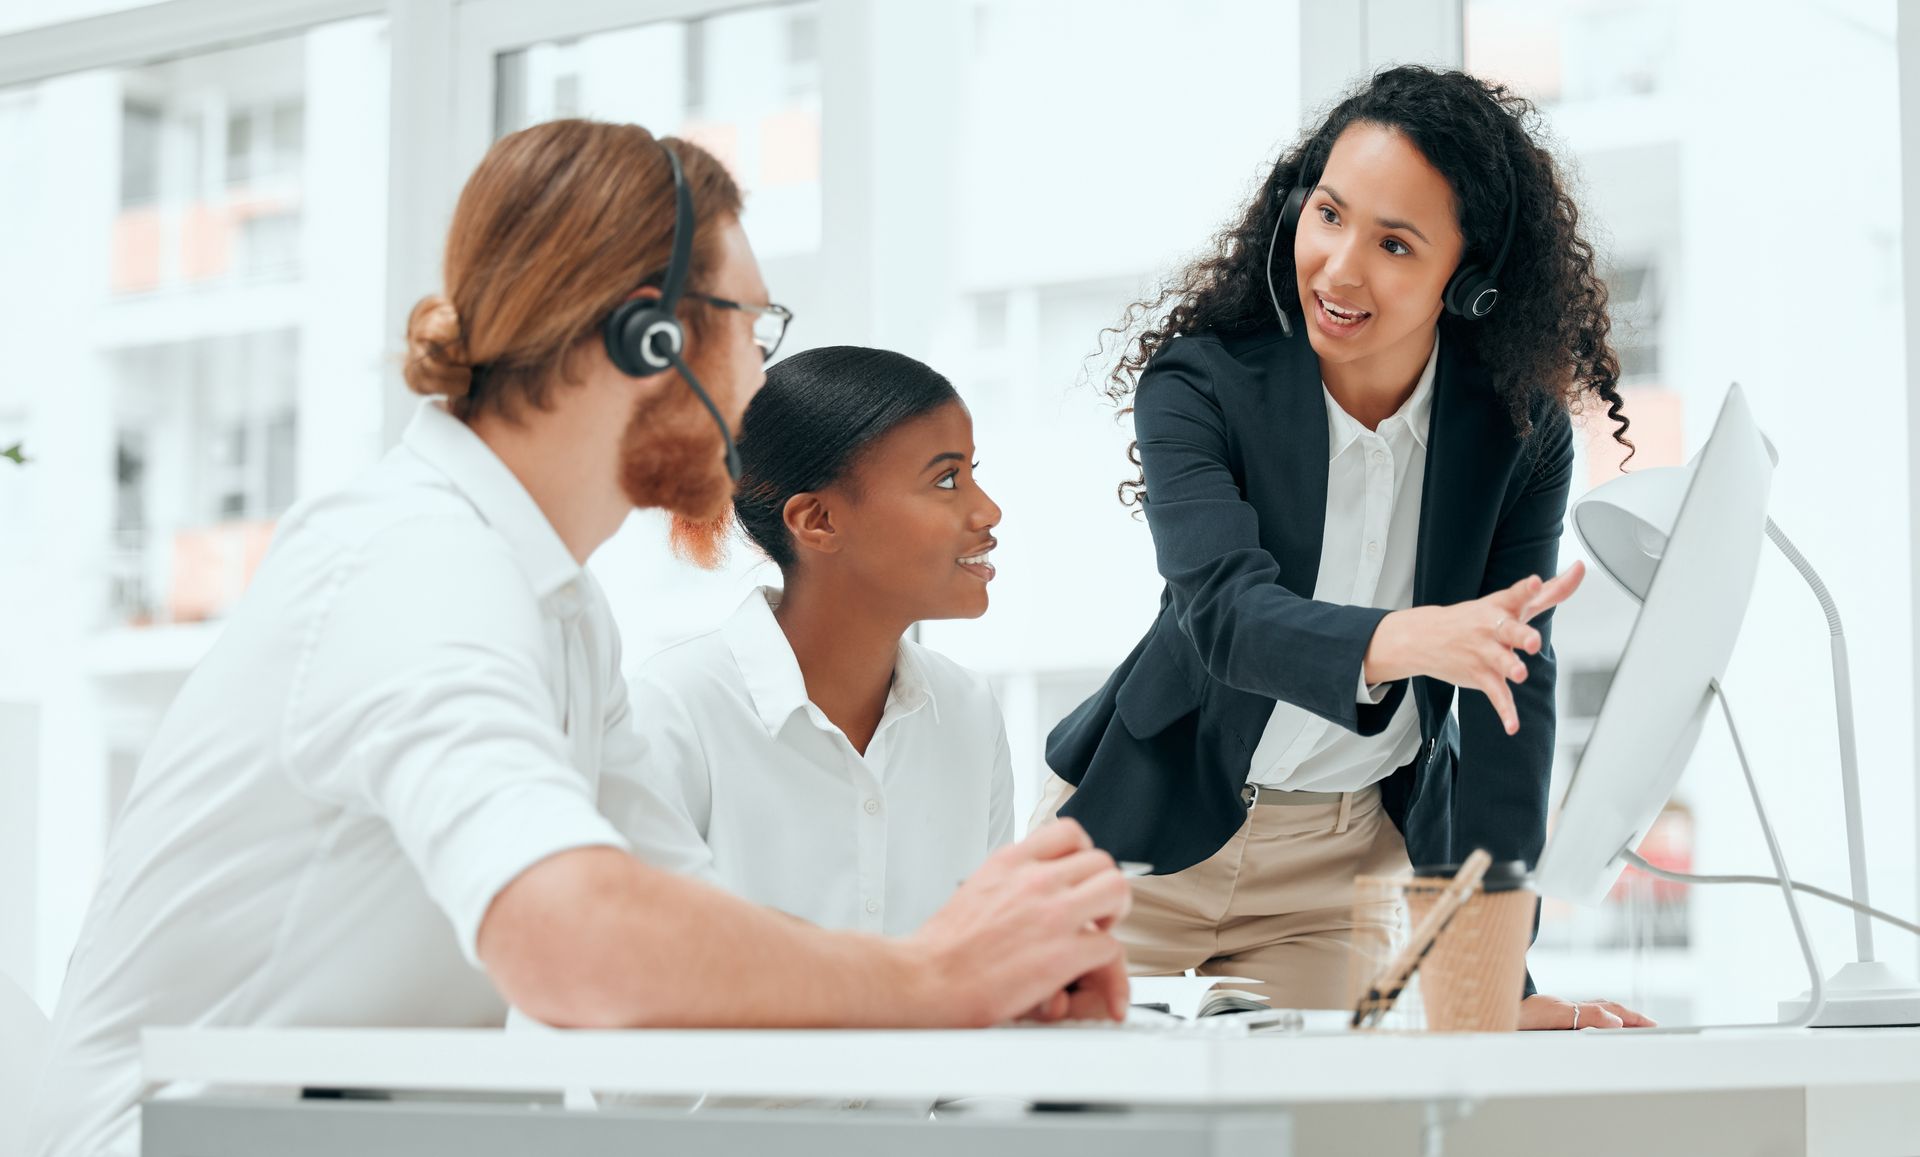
(1843, 715)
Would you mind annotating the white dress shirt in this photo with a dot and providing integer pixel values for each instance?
(1374, 483)
(407, 710)
(767, 798)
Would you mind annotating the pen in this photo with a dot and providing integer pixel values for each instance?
(1392, 979)
(1128, 868)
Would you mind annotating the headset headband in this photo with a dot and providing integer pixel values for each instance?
(682, 251)
(1513, 221)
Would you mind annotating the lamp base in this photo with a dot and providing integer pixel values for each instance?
(1869, 995)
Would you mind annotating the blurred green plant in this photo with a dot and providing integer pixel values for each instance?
(16, 453)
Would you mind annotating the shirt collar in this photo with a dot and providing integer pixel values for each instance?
(772, 673)
(911, 687)
(451, 447)
(1343, 428)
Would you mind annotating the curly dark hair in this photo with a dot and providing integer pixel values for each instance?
(1548, 338)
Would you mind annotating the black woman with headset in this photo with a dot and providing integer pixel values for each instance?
(1355, 448)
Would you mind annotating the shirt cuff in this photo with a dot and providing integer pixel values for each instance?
(510, 831)
(1371, 692)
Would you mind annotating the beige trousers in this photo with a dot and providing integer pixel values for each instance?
(1276, 904)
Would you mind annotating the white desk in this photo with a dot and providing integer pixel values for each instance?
(1833, 1091)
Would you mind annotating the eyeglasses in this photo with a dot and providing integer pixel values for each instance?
(769, 321)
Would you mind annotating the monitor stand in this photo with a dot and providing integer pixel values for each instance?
(1863, 994)
(1812, 1004)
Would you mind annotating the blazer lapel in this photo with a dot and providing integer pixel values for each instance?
(1294, 408)
(1470, 452)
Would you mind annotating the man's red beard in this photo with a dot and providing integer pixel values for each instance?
(671, 456)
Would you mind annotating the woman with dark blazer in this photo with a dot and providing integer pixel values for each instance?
(1354, 440)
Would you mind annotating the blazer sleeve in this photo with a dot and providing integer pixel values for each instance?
(1252, 633)
(1500, 796)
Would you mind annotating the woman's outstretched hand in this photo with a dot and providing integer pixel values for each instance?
(1471, 644)
(1550, 1012)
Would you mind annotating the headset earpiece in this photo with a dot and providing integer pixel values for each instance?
(634, 334)
(1473, 291)
(1290, 212)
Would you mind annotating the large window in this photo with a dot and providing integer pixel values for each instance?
(744, 85)
(190, 294)
(1680, 129)
(203, 281)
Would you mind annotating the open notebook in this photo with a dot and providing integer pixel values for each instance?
(1193, 997)
(1192, 1006)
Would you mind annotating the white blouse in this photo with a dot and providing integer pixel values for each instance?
(745, 782)
(1375, 480)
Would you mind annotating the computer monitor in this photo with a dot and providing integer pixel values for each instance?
(1680, 644)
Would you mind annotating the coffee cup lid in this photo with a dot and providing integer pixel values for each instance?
(1502, 875)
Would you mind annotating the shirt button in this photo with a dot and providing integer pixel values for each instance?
(873, 807)
(1373, 548)
(873, 907)
(1379, 455)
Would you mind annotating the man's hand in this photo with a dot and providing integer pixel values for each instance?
(1030, 933)
(593, 938)
(1101, 995)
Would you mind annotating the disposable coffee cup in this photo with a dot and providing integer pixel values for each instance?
(1473, 977)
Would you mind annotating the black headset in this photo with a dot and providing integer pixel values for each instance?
(644, 337)
(1471, 292)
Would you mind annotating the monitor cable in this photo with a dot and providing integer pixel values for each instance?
(1637, 861)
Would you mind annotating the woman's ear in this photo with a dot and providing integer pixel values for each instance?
(810, 523)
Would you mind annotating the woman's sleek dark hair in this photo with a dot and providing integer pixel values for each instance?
(807, 427)
(1548, 337)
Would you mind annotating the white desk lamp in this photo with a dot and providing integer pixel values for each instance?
(1624, 525)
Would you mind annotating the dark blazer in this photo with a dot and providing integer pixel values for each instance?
(1233, 440)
